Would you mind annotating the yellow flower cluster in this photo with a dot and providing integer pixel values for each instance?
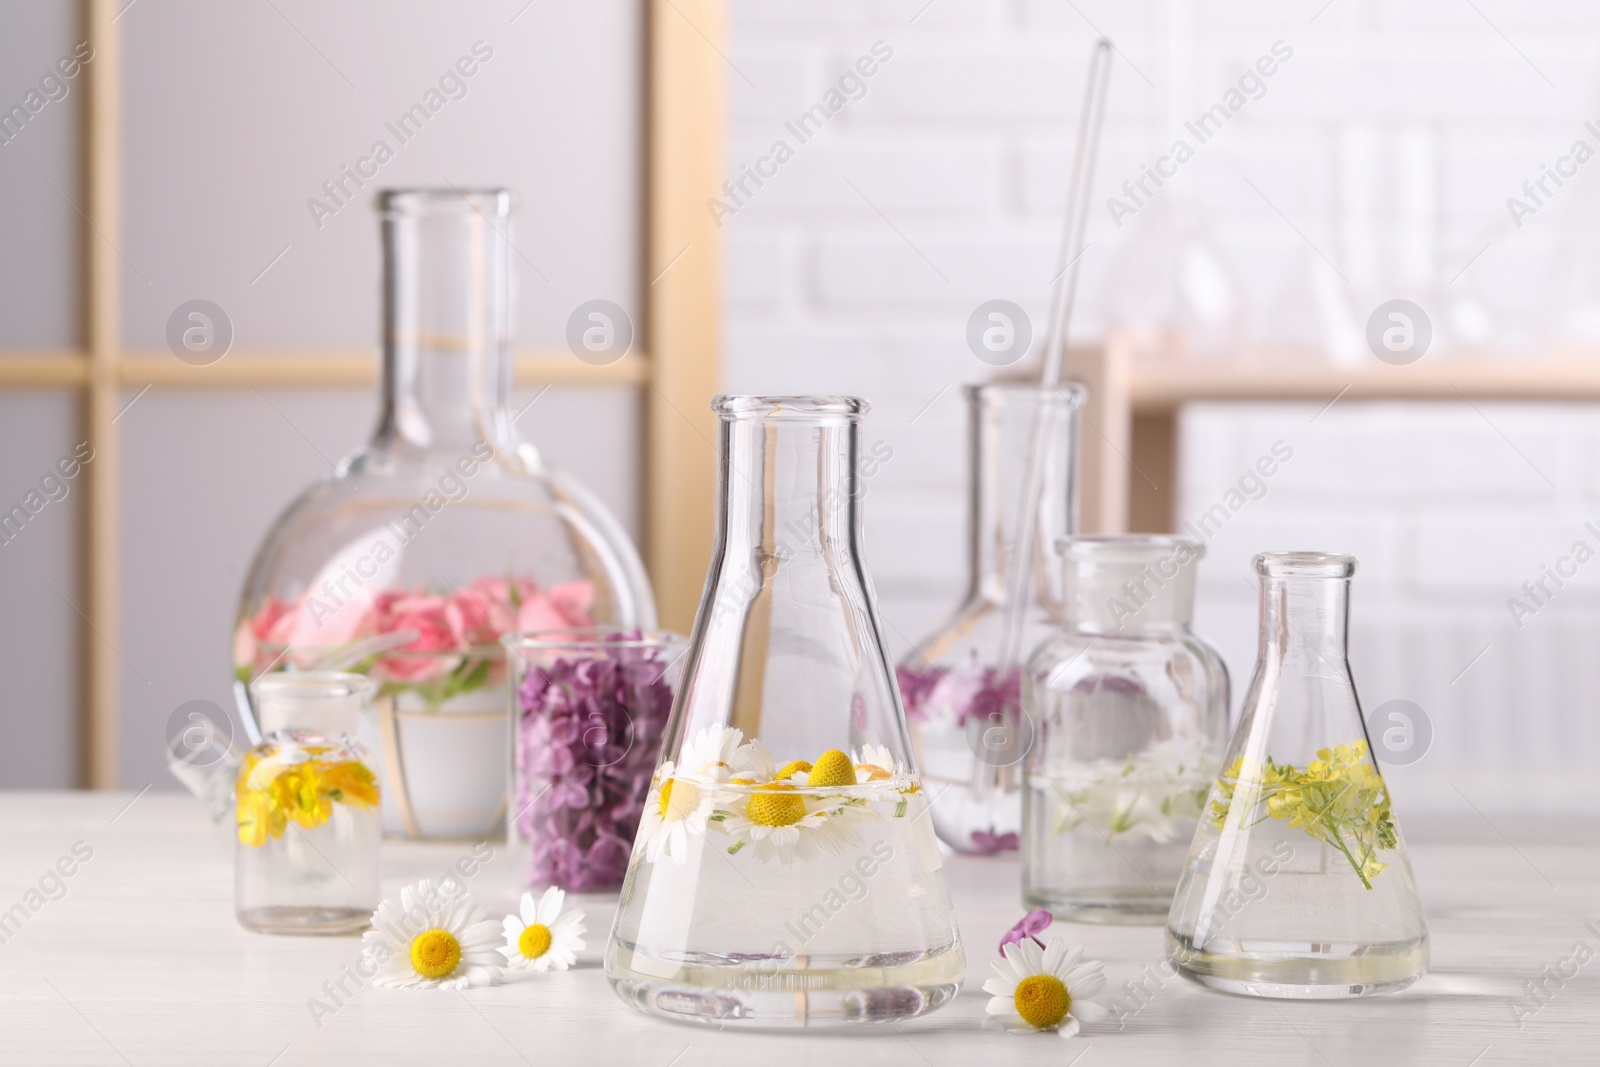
(277, 787)
(1339, 799)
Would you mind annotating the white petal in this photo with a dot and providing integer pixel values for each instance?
(1088, 1010)
(550, 906)
(512, 927)
(1068, 1027)
(528, 910)
(1087, 987)
(1054, 953)
(1000, 1006)
(1000, 987)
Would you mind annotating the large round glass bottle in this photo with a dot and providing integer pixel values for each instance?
(415, 554)
(786, 872)
(963, 702)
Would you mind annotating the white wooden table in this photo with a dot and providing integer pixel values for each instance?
(140, 962)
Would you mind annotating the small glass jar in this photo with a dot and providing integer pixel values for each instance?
(589, 707)
(307, 805)
(1130, 710)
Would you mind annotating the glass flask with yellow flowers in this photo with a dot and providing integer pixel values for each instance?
(786, 871)
(1297, 883)
(307, 807)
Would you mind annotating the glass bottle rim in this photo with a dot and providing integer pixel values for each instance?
(1336, 565)
(313, 685)
(1065, 393)
(1126, 548)
(588, 638)
(732, 406)
(489, 200)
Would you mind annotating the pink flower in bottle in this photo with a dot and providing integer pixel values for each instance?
(420, 660)
(560, 607)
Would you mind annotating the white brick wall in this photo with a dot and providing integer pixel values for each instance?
(856, 266)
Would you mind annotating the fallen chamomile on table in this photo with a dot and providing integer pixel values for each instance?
(1045, 989)
(541, 938)
(436, 937)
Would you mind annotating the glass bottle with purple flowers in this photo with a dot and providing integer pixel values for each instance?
(963, 705)
(589, 707)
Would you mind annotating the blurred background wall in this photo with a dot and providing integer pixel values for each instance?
(1375, 162)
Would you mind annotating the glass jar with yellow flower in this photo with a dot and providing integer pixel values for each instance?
(307, 808)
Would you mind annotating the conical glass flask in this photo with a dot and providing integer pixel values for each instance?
(786, 871)
(964, 705)
(1298, 883)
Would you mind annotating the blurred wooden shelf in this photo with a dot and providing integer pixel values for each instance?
(1160, 385)
(1129, 443)
(289, 368)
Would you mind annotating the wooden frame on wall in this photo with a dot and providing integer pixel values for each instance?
(683, 114)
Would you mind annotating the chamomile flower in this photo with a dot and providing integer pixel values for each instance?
(875, 763)
(710, 753)
(889, 777)
(677, 806)
(435, 937)
(753, 764)
(540, 938)
(1049, 988)
(780, 822)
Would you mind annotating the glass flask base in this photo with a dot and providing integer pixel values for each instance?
(310, 921)
(804, 991)
(1302, 970)
(1119, 908)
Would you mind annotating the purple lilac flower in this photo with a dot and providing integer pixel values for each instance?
(1028, 926)
(998, 699)
(987, 842)
(916, 686)
(588, 735)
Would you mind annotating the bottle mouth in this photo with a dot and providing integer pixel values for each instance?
(1129, 548)
(313, 685)
(1305, 565)
(732, 406)
(490, 202)
(589, 639)
(1066, 394)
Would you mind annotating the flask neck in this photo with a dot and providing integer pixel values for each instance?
(447, 333)
(1006, 422)
(1305, 615)
(789, 477)
(1130, 586)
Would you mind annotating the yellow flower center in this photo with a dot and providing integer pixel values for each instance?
(535, 940)
(435, 953)
(1042, 1000)
(775, 805)
(833, 768)
(792, 768)
(678, 803)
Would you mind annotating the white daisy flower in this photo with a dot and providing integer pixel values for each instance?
(1045, 988)
(779, 821)
(677, 807)
(875, 763)
(541, 938)
(710, 753)
(435, 937)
